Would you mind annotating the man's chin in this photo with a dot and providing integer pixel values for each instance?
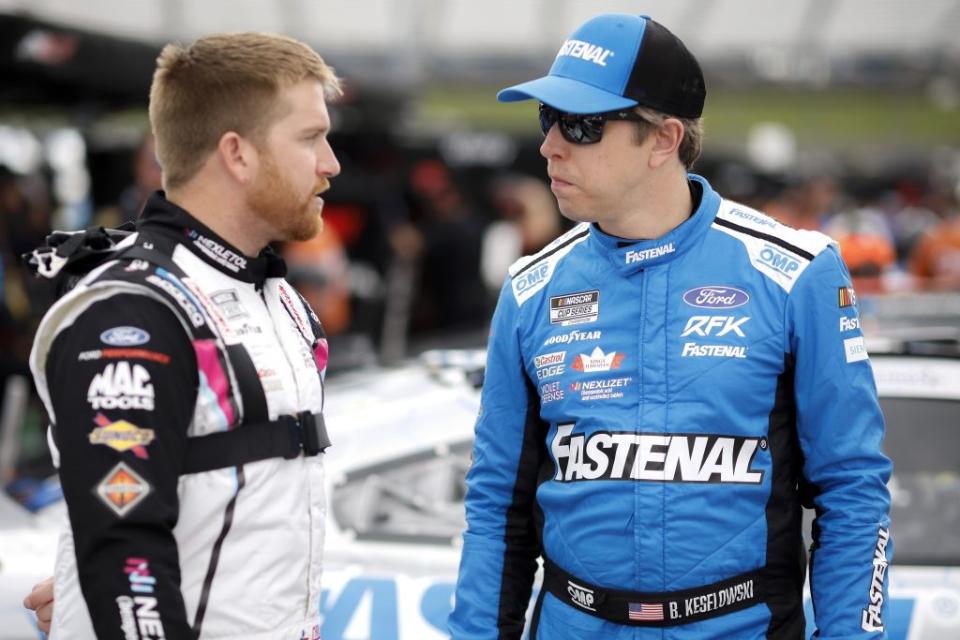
(571, 212)
(307, 232)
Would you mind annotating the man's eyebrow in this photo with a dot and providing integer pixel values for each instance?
(315, 128)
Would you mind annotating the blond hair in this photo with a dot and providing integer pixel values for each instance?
(692, 142)
(222, 83)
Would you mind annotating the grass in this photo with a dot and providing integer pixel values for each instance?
(825, 119)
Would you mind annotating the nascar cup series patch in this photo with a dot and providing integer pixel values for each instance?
(122, 489)
(575, 308)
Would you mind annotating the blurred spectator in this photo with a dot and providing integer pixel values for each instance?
(806, 204)
(528, 221)
(320, 271)
(146, 180)
(935, 260)
(24, 224)
(451, 293)
(909, 224)
(866, 244)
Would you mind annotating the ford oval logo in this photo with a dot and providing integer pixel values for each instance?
(124, 337)
(716, 297)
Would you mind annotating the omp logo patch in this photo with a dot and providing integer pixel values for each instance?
(531, 278)
(121, 436)
(655, 457)
(121, 386)
(122, 489)
(581, 596)
(779, 261)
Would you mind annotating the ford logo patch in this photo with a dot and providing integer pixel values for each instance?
(716, 297)
(124, 337)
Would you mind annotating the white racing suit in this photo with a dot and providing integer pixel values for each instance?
(140, 362)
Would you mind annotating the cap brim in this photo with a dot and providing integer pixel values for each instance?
(567, 95)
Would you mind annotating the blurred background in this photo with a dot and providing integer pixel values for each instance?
(836, 115)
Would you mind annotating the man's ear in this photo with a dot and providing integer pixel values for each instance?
(237, 156)
(667, 139)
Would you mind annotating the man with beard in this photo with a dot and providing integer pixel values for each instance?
(184, 378)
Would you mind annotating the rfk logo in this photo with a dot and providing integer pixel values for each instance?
(714, 326)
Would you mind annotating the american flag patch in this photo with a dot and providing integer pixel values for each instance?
(640, 611)
(847, 297)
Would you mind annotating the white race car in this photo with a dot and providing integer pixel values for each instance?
(402, 440)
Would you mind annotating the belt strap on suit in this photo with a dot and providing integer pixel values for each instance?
(660, 609)
(286, 437)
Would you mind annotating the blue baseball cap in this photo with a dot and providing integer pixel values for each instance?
(617, 61)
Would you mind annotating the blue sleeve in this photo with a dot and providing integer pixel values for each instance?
(840, 429)
(501, 543)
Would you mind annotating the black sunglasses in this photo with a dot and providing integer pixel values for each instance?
(579, 128)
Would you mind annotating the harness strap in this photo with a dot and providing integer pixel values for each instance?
(286, 437)
(655, 609)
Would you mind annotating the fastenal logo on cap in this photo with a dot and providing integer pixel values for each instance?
(584, 50)
(616, 61)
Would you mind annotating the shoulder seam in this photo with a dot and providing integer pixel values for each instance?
(764, 236)
(546, 254)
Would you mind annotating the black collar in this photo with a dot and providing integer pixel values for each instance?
(166, 225)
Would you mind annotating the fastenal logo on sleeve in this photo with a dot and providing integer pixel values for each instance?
(585, 51)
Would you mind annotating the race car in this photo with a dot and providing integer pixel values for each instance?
(402, 439)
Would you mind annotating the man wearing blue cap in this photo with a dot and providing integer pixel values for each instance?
(666, 385)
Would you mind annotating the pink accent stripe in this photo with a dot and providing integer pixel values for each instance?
(209, 363)
(321, 353)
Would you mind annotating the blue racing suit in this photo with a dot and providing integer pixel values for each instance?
(653, 417)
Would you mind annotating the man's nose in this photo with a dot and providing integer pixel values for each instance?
(553, 144)
(328, 165)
